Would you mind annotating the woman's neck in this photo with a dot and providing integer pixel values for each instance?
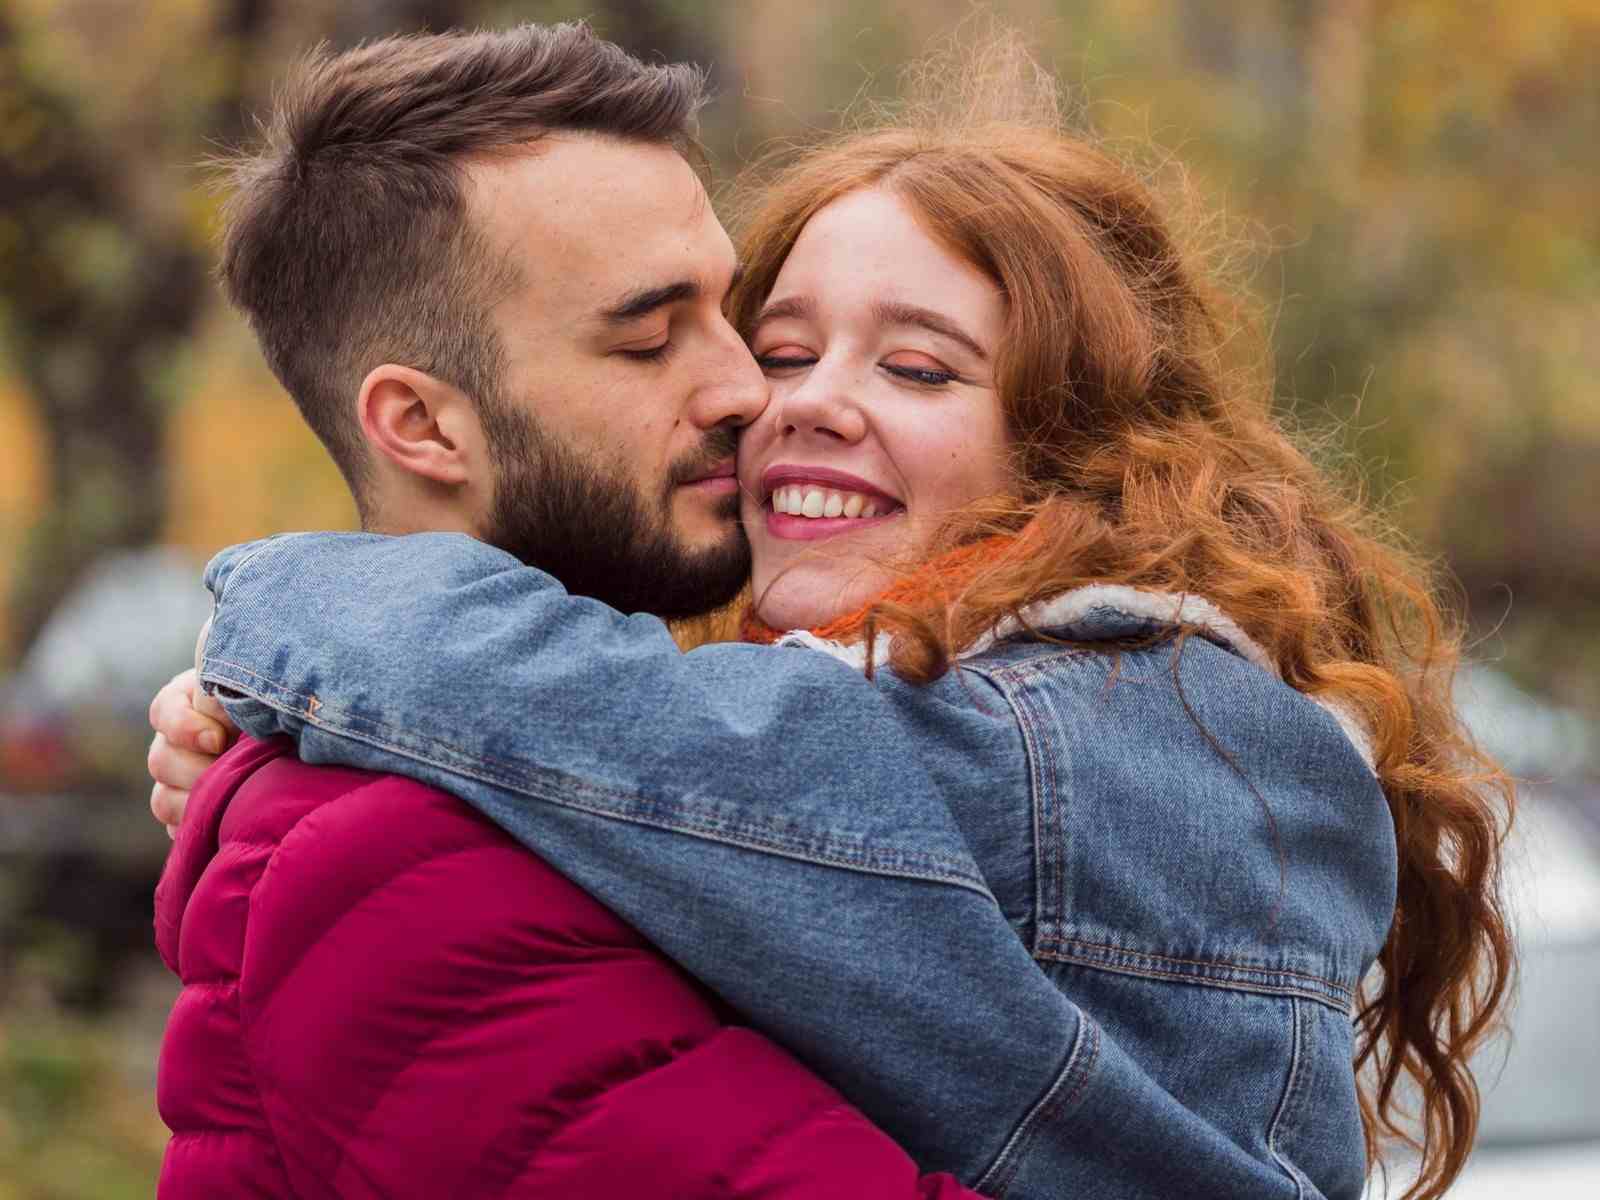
(944, 576)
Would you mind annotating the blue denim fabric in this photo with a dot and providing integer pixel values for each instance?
(1068, 922)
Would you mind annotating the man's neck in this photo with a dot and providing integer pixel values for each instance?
(396, 518)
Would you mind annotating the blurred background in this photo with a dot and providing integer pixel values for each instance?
(1418, 183)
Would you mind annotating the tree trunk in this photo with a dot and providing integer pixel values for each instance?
(99, 298)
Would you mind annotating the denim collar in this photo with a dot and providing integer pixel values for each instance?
(1102, 612)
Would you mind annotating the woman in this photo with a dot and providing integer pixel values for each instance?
(1188, 712)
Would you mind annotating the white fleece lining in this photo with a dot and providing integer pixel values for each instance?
(1165, 608)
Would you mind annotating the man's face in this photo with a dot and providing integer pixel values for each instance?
(616, 422)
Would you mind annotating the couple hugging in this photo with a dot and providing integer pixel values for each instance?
(1082, 754)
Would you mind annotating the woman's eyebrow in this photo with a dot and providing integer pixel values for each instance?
(894, 312)
(802, 308)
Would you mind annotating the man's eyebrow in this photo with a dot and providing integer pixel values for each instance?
(893, 312)
(645, 301)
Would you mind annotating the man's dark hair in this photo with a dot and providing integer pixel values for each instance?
(347, 242)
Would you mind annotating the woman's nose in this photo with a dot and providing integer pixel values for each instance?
(822, 406)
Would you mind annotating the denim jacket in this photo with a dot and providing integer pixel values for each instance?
(1077, 921)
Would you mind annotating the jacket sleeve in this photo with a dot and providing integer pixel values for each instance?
(432, 1011)
(765, 816)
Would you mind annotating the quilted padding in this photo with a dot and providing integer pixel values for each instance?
(385, 996)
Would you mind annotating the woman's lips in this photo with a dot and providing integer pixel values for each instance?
(803, 529)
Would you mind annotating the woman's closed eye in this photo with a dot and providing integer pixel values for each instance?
(785, 358)
(920, 369)
(913, 368)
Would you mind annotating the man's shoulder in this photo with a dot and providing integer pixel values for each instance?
(342, 842)
(270, 794)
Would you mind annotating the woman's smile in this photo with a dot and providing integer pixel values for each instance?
(807, 503)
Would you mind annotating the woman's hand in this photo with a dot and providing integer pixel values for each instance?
(191, 731)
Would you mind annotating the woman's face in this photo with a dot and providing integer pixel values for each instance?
(878, 344)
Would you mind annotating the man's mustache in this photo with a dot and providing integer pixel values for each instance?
(720, 445)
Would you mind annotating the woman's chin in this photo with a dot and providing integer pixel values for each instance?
(804, 597)
(787, 616)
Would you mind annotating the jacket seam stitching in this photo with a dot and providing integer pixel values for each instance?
(1058, 843)
(1200, 962)
(1035, 756)
(1291, 1094)
(1078, 1069)
(1036, 753)
(939, 868)
(1231, 985)
(1033, 664)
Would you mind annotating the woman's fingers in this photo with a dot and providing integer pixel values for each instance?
(174, 766)
(174, 715)
(205, 703)
(191, 730)
(167, 805)
(175, 771)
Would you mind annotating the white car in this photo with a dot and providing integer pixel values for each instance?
(1540, 1135)
(1540, 1131)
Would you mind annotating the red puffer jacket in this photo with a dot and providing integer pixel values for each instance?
(385, 996)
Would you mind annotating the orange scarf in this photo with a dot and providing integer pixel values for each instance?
(938, 579)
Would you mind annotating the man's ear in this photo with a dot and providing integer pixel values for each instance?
(421, 424)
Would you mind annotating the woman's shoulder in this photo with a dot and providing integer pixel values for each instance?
(1087, 640)
(1227, 808)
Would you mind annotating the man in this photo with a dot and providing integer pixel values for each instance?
(415, 274)
(488, 275)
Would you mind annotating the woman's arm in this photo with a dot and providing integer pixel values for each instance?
(765, 816)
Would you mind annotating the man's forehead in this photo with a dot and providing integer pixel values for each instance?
(591, 210)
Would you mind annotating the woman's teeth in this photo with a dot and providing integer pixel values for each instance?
(799, 501)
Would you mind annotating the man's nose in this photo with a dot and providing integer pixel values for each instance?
(736, 390)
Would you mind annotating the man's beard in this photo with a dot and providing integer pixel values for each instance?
(595, 528)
